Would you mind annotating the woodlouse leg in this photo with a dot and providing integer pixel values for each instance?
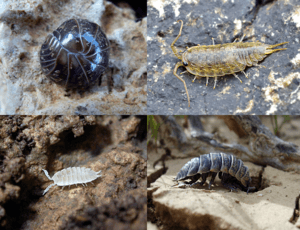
(193, 178)
(250, 188)
(220, 175)
(242, 38)
(62, 188)
(183, 72)
(245, 74)
(233, 184)
(180, 78)
(68, 71)
(257, 65)
(189, 183)
(194, 78)
(216, 79)
(213, 177)
(237, 77)
(203, 177)
(207, 81)
(197, 183)
(213, 41)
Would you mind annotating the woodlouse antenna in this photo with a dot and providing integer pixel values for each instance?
(47, 174)
(47, 189)
(172, 45)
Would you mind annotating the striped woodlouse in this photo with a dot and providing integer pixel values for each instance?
(72, 175)
(213, 163)
(222, 59)
(76, 54)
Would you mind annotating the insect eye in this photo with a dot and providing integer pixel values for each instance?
(185, 63)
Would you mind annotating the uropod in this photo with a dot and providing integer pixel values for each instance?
(220, 60)
(228, 167)
(71, 176)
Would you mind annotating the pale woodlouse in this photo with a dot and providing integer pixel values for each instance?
(212, 164)
(71, 176)
(220, 60)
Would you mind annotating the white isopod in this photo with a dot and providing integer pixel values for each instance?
(72, 175)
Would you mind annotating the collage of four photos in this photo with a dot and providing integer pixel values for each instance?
(158, 115)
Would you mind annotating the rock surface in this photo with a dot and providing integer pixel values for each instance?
(26, 90)
(270, 90)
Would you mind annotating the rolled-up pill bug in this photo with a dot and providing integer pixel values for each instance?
(76, 54)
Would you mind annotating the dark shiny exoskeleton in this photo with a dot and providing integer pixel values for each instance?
(229, 168)
(76, 54)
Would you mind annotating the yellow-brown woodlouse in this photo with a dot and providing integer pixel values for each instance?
(222, 59)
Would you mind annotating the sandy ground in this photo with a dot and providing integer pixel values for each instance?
(200, 208)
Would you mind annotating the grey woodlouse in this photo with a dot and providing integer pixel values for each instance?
(72, 175)
(212, 164)
(220, 60)
(76, 54)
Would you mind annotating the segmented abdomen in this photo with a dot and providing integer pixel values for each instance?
(74, 175)
(216, 162)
